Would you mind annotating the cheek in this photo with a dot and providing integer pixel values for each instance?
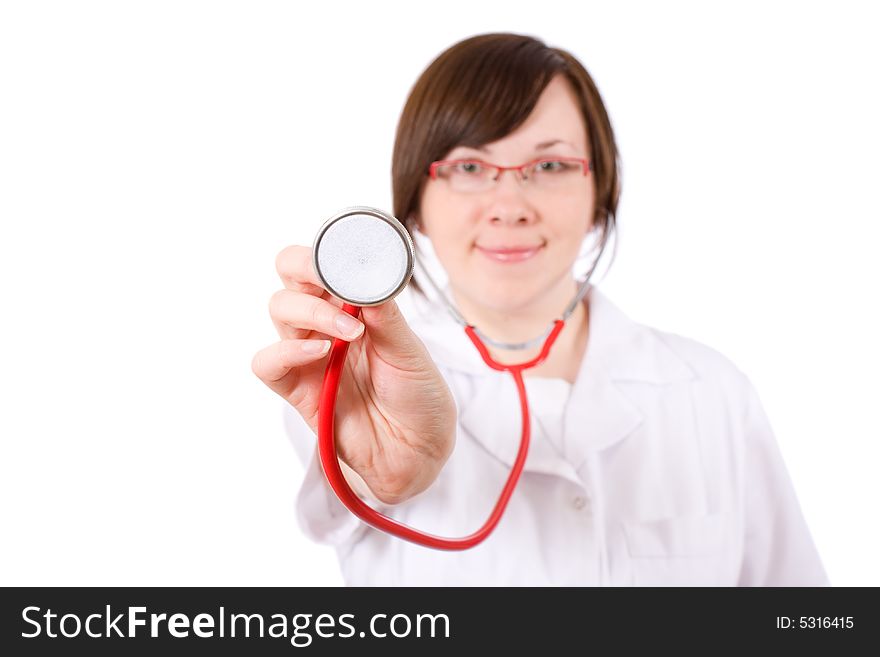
(447, 225)
(574, 216)
(583, 204)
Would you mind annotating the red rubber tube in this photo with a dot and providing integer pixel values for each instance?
(333, 472)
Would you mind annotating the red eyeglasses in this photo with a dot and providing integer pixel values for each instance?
(472, 175)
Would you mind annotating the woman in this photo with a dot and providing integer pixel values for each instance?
(652, 461)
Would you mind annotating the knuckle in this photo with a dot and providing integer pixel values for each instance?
(318, 314)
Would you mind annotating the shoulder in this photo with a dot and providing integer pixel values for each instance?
(705, 361)
(717, 379)
(640, 352)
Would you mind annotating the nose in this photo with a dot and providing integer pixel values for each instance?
(508, 204)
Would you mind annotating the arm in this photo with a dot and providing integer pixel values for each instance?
(778, 548)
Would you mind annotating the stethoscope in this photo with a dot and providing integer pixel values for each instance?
(365, 257)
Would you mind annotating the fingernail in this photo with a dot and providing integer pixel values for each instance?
(315, 346)
(348, 325)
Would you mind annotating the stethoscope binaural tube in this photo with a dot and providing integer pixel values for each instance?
(365, 257)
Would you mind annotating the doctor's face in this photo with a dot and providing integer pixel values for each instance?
(507, 243)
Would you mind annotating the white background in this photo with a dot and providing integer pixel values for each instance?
(155, 157)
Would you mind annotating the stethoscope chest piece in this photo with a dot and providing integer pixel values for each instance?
(363, 256)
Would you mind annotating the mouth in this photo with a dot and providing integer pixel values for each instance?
(510, 253)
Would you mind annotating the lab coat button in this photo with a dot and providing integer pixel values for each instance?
(579, 503)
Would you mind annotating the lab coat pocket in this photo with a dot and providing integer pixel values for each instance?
(680, 551)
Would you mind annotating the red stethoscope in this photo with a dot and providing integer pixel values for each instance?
(365, 257)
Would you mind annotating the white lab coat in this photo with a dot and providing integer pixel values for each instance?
(657, 467)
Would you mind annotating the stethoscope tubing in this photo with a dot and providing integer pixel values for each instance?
(337, 481)
(330, 387)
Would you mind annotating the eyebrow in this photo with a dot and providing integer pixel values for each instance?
(548, 144)
(539, 147)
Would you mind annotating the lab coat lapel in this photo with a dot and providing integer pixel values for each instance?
(499, 431)
(599, 413)
(489, 391)
(619, 352)
(597, 416)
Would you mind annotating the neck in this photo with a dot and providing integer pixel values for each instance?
(528, 322)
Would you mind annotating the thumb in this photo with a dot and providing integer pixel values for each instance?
(391, 335)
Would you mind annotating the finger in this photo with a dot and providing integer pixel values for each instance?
(294, 266)
(297, 314)
(391, 336)
(274, 363)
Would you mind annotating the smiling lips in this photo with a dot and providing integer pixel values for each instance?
(510, 253)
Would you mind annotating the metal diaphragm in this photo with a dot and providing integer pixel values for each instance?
(363, 256)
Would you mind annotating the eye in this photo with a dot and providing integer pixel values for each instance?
(551, 166)
(469, 167)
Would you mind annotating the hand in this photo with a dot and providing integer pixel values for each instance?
(395, 415)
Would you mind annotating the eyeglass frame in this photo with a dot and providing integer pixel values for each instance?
(586, 165)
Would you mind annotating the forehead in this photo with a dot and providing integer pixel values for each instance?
(557, 116)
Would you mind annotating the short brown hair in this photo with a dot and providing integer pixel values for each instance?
(480, 90)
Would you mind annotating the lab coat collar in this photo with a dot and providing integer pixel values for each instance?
(599, 414)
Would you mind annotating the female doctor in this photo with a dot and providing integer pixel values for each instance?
(651, 461)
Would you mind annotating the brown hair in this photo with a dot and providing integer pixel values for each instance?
(480, 90)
